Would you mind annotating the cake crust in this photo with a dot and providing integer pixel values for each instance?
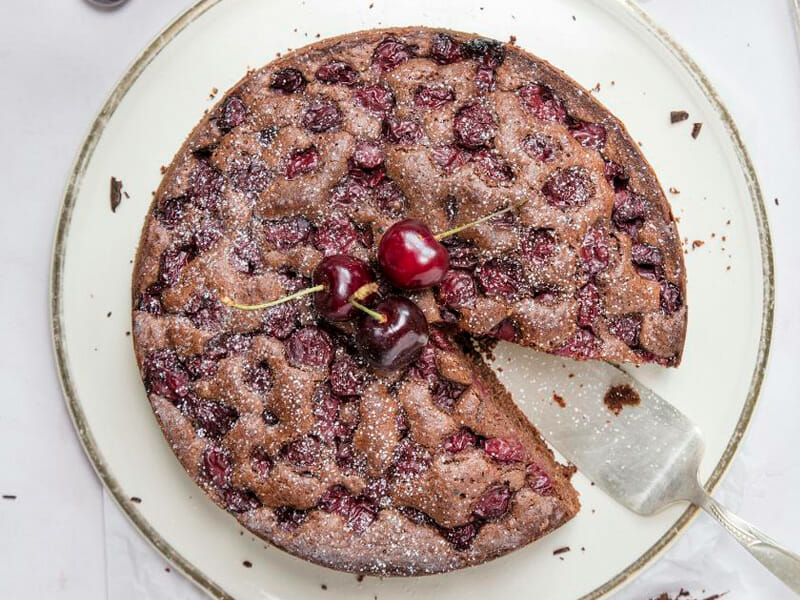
(274, 414)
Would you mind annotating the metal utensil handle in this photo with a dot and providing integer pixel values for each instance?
(784, 564)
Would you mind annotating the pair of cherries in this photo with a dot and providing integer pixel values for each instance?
(392, 333)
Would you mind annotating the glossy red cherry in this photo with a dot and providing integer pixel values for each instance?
(396, 340)
(411, 257)
(341, 275)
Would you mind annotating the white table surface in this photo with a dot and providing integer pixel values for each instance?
(63, 538)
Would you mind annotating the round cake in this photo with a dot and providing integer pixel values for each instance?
(277, 413)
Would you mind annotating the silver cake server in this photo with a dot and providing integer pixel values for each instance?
(645, 457)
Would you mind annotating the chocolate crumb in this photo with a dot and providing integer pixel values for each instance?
(561, 550)
(136, 500)
(116, 193)
(167, 569)
(583, 549)
(9, 497)
(127, 333)
(359, 578)
(163, 169)
(674, 190)
(559, 400)
(619, 396)
(696, 129)
(697, 243)
(247, 564)
(371, 5)
(676, 116)
(126, 194)
(108, 314)
(571, 375)
(323, 586)
(777, 203)
(573, 18)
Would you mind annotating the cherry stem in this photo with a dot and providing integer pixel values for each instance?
(460, 228)
(304, 292)
(360, 294)
(372, 313)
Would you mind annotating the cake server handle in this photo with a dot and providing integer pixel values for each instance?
(783, 563)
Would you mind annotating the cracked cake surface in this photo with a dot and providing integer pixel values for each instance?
(274, 413)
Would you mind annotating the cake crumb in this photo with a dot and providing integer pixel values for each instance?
(559, 400)
(163, 169)
(676, 116)
(213, 93)
(674, 190)
(696, 244)
(512, 39)
(116, 193)
(619, 396)
(247, 564)
(360, 578)
(573, 18)
(777, 203)
(323, 586)
(696, 129)
(596, 88)
(167, 570)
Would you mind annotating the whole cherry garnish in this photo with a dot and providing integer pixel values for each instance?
(393, 333)
(411, 257)
(338, 279)
(341, 276)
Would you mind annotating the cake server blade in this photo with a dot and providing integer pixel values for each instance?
(645, 456)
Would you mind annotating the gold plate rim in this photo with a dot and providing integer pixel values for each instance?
(73, 403)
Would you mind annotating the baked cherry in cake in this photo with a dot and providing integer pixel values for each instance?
(288, 417)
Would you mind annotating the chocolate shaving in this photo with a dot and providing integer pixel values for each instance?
(116, 193)
(696, 129)
(676, 116)
(561, 550)
(136, 500)
(9, 497)
(559, 400)
(247, 564)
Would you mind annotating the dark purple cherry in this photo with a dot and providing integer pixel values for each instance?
(411, 257)
(397, 339)
(341, 275)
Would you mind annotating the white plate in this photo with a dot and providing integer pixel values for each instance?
(642, 74)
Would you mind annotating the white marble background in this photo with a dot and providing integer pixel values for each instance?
(62, 538)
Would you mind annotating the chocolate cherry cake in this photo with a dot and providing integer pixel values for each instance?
(385, 445)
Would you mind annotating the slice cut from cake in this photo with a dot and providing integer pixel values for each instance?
(274, 413)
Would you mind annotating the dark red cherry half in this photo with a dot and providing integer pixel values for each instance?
(341, 275)
(397, 341)
(411, 257)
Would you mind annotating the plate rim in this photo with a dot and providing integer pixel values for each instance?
(69, 392)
